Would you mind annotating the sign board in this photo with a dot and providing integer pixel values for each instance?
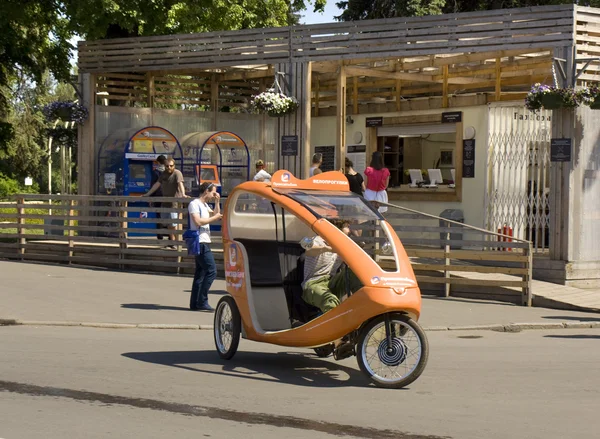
(560, 150)
(143, 146)
(289, 146)
(141, 156)
(358, 155)
(374, 122)
(28, 181)
(328, 157)
(468, 158)
(110, 180)
(452, 117)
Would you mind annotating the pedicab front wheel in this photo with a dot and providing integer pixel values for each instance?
(397, 364)
(227, 328)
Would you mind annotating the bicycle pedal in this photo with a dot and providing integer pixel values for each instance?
(343, 351)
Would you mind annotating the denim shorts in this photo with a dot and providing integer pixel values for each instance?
(170, 215)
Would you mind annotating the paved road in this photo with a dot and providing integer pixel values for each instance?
(85, 382)
(58, 293)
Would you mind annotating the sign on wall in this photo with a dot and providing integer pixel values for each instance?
(358, 155)
(560, 150)
(452, 117)
(374, 122)
(469, 158)
(328, 157)
(289, 146)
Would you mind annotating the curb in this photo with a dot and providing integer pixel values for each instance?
(511, 327)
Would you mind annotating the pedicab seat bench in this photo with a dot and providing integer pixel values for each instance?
(277, 295)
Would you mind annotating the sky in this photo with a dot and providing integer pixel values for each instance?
(331, 10)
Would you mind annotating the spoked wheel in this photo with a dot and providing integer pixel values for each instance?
(324, 351)
(401, 363)
(227, 328)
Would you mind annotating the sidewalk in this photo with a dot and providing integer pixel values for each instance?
(35, 293)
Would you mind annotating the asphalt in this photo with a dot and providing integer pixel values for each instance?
(54, 295)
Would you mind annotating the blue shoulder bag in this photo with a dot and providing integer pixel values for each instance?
(192, 239)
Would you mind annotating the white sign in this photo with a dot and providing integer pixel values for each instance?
(141, 156)
(110, 180)
(28, 181)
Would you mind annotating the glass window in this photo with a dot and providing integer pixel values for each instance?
(137, 171)
(334, 205)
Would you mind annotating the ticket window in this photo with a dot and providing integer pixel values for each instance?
(139, 177)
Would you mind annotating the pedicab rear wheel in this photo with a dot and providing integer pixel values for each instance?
(397, 365)
(227, 328)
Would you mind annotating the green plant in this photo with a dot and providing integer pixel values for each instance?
(550, 97)
(274, 104)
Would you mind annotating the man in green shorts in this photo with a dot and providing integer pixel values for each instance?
(324, 282)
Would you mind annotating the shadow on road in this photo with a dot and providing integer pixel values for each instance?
(575, 336)
(152, 306)
(295, 368)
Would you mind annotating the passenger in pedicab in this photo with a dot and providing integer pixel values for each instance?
(326, 278)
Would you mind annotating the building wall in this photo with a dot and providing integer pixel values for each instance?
(323, 133)
(585, 218)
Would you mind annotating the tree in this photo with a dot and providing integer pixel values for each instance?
(369, 9)
(95, 19)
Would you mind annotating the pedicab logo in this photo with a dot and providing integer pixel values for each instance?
(375, 280)
(234, 270)
(286, 177)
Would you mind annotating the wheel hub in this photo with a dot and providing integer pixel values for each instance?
(392, 355)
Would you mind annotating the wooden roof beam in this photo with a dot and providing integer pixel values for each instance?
(417, 77)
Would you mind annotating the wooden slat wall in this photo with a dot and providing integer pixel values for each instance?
(587, 39)
(523, 28)
(99, 231)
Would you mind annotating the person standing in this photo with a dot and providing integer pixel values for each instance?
(171, 183)
(156, 173)
(200, 218)
(355, 180)
(317, 161)
(378, 179)
(261, 174)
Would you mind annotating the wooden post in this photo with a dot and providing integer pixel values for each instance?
(498, 79)
(340, 134)
(445, 87)
(355, 95)
(306, 150)
(398, 95)
(123, 234)
(263, 124)
(447, 263)
(71, 225)
(179, 247)
(20, 225)
(214, 100)
(86, 155)
(150, 88)
(527, 294)
(317, 96)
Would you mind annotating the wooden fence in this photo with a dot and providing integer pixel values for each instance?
(120, 233)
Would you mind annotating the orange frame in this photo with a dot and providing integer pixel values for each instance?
(383, 291)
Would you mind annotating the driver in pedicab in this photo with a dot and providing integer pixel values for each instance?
(326, 278)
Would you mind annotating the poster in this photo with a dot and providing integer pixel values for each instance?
(142, 146)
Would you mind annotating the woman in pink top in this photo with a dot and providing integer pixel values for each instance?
(378, 178)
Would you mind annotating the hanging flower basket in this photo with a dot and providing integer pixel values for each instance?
(591, 96)
(552, 101)
(551, 98)
(274, 104)
(63, 136)
(65, 111)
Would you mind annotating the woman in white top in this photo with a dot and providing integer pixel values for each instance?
(201, 216)
(261, 174)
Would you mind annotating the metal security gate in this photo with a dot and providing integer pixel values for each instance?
(518, 164)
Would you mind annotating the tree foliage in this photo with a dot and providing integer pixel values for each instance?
(371, 9)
